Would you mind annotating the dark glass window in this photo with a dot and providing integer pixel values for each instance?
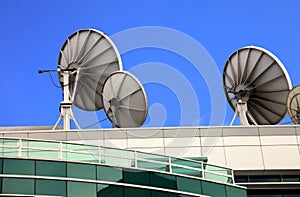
(234, 191)
(291, 178)
(83, 171)
(213, 189)
(265, 195)
(17, 186)
(18, 166)
(241, 179)
(50, 187)
(80, 189)
(129, 192)
(109, 190)
(189, 185)
(51, 168)
(163, 180)
(1, 166)
(162, 194)
(265, 178)
(136, 177)
(292, 195)
(112, 174)
(274, 193)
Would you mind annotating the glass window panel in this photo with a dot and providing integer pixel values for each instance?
(136, 177)
(51, 168)
(213, 189)
(118, 153)
(162, 194)
(203, 159)
(217, 169)
(9, 142)
(216, 177)
(91, 149)
(189, 185)
(129, 192)
(17, 186)
(51, 187)
(153, 166)
(235, 191)
(13, 152)
(44, 154)
(79, 189)
(186, 163)
(163, 180)
(80, 147)
(18, 166)
(40, 144)
(186, 171)
(105, 173)
(117, 161)
(109, 190)
(83, 171)
(70, 156)
(152, 157)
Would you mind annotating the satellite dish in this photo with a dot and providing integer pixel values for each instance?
(85, 61)
(125, 101)
(92, 57)
(293, 104)
(256, 85)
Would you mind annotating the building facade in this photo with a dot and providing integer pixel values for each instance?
(39, 167)
(264, 159)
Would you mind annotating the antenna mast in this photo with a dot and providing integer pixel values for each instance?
(66, 113)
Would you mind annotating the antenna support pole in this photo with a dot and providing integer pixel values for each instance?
(241, 110)
(66, 113)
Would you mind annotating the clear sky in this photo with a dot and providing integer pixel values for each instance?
(32, 33)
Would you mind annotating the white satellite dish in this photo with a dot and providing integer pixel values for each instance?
(125, 101)
(293, 104)
(256, 85)
(85, 61)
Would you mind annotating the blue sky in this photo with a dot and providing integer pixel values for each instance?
(32, 33)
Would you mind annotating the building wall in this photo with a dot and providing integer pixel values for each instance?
(255, 151)
(239, 148)
(28, 177)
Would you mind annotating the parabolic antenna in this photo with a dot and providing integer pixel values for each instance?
(256, 85)
(85, 61)
(293, 104)
(89, 57)
(125, 101)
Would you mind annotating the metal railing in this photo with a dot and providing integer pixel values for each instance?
(57, 150)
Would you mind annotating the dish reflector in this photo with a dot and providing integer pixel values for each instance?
(293, 104)
(125, 101)
(255, 77)
(90, 56)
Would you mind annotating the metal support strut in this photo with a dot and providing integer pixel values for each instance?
(241, 110)
(66, 113)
